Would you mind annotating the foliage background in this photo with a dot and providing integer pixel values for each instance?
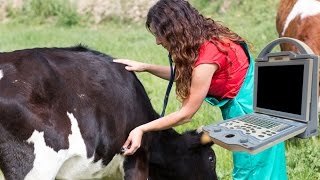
(116, 27)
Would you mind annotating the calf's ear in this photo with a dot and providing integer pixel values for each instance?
(195, 139)
(205, 139)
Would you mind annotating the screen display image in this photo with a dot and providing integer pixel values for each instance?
(280, 88)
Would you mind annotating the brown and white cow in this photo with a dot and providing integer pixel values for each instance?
(66, 112)
(300, 19)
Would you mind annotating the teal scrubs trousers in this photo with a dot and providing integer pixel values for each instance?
(269, 164)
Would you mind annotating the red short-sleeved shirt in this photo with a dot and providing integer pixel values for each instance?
(227, 80)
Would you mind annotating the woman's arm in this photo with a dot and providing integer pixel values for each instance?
(201, 79)
(157, 70)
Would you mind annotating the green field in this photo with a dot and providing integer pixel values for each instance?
(254, 20)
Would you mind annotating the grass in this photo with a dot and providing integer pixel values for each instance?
(254, 20)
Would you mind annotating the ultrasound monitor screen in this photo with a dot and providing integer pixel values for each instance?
(280, 88)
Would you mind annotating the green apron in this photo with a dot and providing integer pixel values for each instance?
(268, 164)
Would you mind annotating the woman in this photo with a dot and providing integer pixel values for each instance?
(213, 64)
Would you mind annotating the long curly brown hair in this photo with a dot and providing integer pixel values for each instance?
(185, 29)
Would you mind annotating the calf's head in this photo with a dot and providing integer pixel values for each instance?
(181, 156)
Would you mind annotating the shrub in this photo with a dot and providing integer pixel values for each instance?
(43, 11)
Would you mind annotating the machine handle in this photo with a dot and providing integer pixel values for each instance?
(302, 47)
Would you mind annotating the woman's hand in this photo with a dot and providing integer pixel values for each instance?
(133, 142)
(132, 65)
(157, 70)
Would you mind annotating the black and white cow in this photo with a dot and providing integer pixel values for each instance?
(66, 112)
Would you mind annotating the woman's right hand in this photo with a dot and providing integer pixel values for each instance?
(132, 65)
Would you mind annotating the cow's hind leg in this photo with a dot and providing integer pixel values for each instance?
(136, 166)
(16, 159)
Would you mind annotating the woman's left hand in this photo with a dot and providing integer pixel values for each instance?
(133, 142)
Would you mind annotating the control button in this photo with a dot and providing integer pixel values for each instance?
(244, 140)
(217, 129)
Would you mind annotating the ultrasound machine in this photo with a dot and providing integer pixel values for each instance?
(285, 101)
